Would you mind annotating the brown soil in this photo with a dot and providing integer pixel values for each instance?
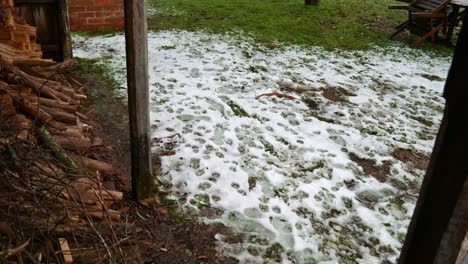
(332, 94)
(370, 168)
(158, 234)
(311, 103)
(418, 160)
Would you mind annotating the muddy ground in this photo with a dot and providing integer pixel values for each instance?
(161, 233)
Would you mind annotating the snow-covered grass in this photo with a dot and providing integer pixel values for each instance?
(316, 179)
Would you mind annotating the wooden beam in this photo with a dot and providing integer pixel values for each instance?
(437, 230)
(64, 27)
(136, 37)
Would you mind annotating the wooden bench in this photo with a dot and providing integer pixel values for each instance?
(425, 18)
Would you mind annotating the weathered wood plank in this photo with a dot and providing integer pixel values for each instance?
(64, 27)
(136, 37)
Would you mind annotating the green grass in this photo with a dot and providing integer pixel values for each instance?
(344, 24)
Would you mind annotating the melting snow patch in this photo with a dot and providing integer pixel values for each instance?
(306, 179)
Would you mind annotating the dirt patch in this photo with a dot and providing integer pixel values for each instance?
(419, 161)
(332, 94)
(311, 103)
(370, 167)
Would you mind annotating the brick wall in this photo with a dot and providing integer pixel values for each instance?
(92, 15)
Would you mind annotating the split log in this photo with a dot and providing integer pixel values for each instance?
(102, 213)
(66, 252)
(46, 139)
(80, 97)
(60, 115)
(95, 195)
(31, 62)
(95, 165)
(60, 67)
(72, 143)
(7, 110)
(27, 80)
(50, 169)
(31, 109)
(82, 116)
(97, 141)
(55, 104)
(72, 132)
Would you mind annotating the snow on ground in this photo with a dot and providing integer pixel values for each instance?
(303, 181)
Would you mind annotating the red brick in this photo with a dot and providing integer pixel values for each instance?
(96, 14)
(75, 9)
(102, 2)
(95, 8)
(86, 14)
(84, 3)
(97, 20)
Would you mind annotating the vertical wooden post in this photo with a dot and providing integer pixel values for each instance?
(136, 37)
(439, 222)
(64, 26)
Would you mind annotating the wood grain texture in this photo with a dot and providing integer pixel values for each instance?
(136, 37)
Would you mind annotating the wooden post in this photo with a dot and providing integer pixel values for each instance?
(64, 25)
(439, 222)
(136, 37)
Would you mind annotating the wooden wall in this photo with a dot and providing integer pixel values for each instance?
(52, 25)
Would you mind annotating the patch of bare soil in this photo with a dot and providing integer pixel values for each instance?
(311, 103)
(419, 161)
(333, 94)
(370, 167)
(156, 231)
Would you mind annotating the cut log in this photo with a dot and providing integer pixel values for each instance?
(72, 143)
(7, 110)
(82, 116)
(66, 252)
(94, 165)
(61, 115)
(31, 109)
(71, 132)
(55, 104)
(46, 139)
(26, 79)
(33, 62)
(101, 213)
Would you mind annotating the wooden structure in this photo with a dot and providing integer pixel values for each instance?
(136, 37)
(455, 17)
(50, 17)
(439, 223)
(425, 18)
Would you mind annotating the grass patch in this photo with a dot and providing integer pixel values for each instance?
(237, 110)
(347, 24)
(102, 32)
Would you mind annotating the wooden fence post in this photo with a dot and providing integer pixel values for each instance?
(136, 37)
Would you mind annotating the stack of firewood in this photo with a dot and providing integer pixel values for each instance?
(17, 38)
(41, 104)
(38, 88)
